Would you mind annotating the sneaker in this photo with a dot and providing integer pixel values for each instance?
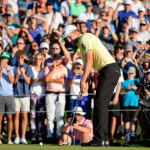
(23, 141)
(10, 142)
(17, 140)
(0, 142)
(33, 139)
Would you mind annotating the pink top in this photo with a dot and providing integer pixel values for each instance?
(60, 72)
(84, 123)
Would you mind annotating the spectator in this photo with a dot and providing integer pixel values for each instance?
(50, 13)
(136, 4)
(76, 8)
(135, 22)
(33, 51)
(83, 129)
(22, 99)
(55, 99)
(14, 6)
(106, 39)
(24, 33)
(7, 104)
(147, 17)
(88, 15)
(129, 101)
(83, 27)
(100, 4)
(34, 28)
(144, 35)
(133, 39)
(12, 29)
(74, 83)
(125, 13)
(44, 49)
(37, 89)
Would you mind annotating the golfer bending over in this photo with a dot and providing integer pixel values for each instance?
(94, 54)
(82, 129)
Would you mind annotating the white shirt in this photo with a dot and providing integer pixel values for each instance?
(85, 17)
(58, 20)
(113, 4)
(136, 6)
(14, 4)
(37, 88)
(143, 36)
(64, 8)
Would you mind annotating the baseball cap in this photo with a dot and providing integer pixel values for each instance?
(5, 54)
(145, 60)
(129, 48)
(38, 5)
(44, 45)
(79, 111)
(141, 9)
(59, 56)
(127, 2)
(148, 8)
(49, 3)
(120, 46)
(67, 29)
(79, 60)
(8, 5)
(88, 4)
(10, 13)
(125, 19)
(144, 22)
(134, 30)
(131, 70)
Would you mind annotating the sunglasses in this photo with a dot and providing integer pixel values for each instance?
(20, 43)
(44, 48)
(55, 48)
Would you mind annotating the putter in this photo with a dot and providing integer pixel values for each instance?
(79, 99)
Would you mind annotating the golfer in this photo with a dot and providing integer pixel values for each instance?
(94, 54)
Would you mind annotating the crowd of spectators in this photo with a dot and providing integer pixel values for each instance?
(40, 73)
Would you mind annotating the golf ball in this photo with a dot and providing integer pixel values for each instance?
(41, 144)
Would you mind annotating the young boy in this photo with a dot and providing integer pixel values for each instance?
(129, 101)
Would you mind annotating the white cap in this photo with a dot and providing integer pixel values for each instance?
(79, 60)
(67, 29)
(127, 2)
(10, 13)
(141, 9)
(44, 45)
(131, 70)
(79, 111)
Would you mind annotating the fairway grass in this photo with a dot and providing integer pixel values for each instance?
(54, 147)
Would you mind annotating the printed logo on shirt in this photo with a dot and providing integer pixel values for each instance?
(83, 47)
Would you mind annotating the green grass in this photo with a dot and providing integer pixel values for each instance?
(54, 147)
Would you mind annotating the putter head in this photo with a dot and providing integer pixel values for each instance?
(65, 143)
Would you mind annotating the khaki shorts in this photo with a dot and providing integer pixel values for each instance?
(22, 104)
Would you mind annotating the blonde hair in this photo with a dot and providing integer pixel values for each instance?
(43, 59)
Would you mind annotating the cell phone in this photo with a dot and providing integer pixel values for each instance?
(128, 59)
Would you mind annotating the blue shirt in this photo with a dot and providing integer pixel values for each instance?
(21, 89)
(122, 14)
(129, 98)
(6, 88)
(36, 34)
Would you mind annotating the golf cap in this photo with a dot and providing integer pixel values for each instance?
(131, 70)
(125, 19)
(134, 30)
(5, 54)
(144, 22)
(79, 60)
(127, 2)
(79, 111)
(88, 4)
(67, 29)
(141, 9)
(44, 45)
(10, 13)
(129, 48)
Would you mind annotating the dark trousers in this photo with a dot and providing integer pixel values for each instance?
(107, 80)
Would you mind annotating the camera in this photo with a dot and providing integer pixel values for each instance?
(129, 59)
(144, 84)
